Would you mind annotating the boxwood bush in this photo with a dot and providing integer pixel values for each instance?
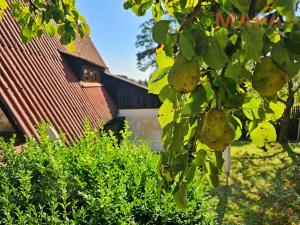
(94, 181)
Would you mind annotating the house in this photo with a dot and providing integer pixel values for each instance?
(42, 81)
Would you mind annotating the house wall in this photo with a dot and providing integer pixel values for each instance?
(143, 123)
(127, 94)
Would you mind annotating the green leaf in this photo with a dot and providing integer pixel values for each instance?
(194, 101)
(263, 133)
(214, 56)
(242, 5)
(230, 95)
(158, 80)
(276, 109)
(139, 7)
(127, 4)
(160, 31)
(172, 6)
(3, 4)
(26, 34)
(238, 72)
(218, 160)
(286, 8)
(212, 174)
(253, 108)
(274, 35)
(51, 29)
(234, 39)
(183, 3)
(71, 47)
(190, 174)
(180, 129)
(295, 34)
(187, 45)
(252, 125)
(280, 56)
(179, 163)
(252, 43)
(200, 158)
(200, 40)
(157, 11)
(293, 46)
(169, 93)
(238, 127)
(162, 60)
(166, 113)
(221, 36)
(167, 136)
(180, 196)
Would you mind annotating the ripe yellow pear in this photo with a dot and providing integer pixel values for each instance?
(217, 131)
(184, 75)
(268, 78)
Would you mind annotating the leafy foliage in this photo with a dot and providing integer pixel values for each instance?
(246, 52)
(59, 17)
(95, 181)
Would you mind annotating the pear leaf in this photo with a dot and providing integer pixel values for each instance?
(263, 133)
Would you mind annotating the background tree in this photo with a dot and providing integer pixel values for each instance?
(146, 59)
(144, 42)
(288, 96)
(225, 57)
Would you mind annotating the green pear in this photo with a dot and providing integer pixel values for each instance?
(184, 75)
(268, 78)
(217, 131)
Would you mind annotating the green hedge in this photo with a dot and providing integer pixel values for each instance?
(95, 181)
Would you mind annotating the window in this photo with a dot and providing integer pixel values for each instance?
(90, 74)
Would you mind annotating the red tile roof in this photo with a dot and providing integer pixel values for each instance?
(85, 49)
(36, 84)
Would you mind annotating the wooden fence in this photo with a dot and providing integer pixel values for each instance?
(295, 113)
(294, 126)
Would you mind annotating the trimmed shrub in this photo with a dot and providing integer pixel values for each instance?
(94, 181)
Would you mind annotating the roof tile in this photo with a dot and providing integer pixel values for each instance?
(36, 84)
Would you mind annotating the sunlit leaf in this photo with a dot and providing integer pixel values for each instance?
(3, 4)
(166, 113)
(275, 112)
(263, 133)
(181, 196)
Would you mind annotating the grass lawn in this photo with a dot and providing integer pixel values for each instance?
(263, 188)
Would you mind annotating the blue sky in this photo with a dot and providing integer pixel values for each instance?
(113, 31)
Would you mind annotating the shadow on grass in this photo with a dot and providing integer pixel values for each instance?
(262, 157)
(262, 190)
(241, 143)
(295, 157)
(223, 194)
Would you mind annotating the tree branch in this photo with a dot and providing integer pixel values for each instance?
(281, 100)
(196, 13)
(192, 17)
